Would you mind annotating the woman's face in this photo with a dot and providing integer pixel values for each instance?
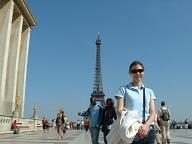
(108, 103)
(136, 73)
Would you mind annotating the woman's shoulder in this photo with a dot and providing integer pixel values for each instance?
(125, 86)
(150, 93)
(148, 90)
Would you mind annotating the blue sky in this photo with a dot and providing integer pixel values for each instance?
(62, 52)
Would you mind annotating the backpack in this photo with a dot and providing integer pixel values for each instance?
(165, 114)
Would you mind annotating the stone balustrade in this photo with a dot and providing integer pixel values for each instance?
(24, 124)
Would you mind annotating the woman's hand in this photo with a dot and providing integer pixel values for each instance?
(143, 131)
(119, 112)
(119, 106)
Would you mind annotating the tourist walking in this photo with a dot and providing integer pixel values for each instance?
(157, 129)
(94, 114)
(108, 116)
(60, 123)
(164, 115)
(78, 124)
(174, 124)
(186, 123)
(135, 96)
(45, 124)
(86, 124)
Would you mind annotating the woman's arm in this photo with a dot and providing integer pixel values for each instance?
(119, 106)
(143, 131)
(152, 113)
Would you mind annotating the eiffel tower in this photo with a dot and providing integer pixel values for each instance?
(98, 87)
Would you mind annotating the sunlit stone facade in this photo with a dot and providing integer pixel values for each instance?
(16, 22)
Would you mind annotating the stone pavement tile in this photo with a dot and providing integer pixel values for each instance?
(85, 138)
(39, 138)
(181, 136)
(79, 137)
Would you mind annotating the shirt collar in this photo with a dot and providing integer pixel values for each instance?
(140, 87)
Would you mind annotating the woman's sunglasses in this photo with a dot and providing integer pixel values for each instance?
(134, 71)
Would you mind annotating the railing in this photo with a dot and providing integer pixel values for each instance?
(24, 124)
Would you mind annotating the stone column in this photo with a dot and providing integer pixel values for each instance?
(6, 14)
(22, 71)
(13, 63)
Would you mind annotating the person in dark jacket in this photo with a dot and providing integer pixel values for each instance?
(108, 116)
(60, 123)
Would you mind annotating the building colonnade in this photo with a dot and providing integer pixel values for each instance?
(16, 22)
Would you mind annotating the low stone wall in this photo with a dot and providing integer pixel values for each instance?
(25, 124)
(5, 123)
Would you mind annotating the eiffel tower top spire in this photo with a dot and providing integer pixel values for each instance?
(98, 87)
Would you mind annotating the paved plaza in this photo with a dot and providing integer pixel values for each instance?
(181, 136)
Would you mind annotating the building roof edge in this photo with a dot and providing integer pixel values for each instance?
(25, 11)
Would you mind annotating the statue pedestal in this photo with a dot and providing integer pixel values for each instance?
(35, 118)
(15, 116)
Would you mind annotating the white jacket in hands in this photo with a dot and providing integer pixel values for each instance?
(124, 128)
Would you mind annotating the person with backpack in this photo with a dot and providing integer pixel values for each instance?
(164, 115)
(108, 117)
(94, 114)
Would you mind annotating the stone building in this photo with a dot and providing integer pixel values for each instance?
(16, 22)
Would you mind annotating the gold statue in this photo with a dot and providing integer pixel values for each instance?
(17, 102)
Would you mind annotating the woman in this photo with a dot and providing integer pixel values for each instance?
(131, 97)
(60, 123)
(108, 116)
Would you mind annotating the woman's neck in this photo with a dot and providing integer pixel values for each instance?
(136, 84)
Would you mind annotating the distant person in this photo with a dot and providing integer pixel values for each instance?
(157, 129)
(174, 124)
(186, 123)
(44, 124)
(14, 127)
(82, 124)
(71, 125)
(86, 124)
(164, 115)
(65, 127)
(78, 124)
(108, 116)
(60, 124)
(54, 123)
(94, 114)
(131, 97)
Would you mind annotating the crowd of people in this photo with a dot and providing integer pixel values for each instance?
(133, 96)
(135, 112)
(150, 127)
